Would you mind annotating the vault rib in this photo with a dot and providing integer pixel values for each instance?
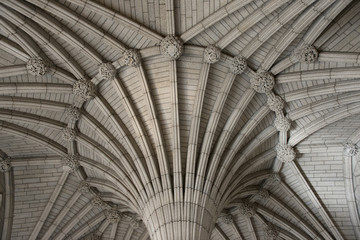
(26, 42)
(322, 211)
(88, 226)
(71, 17)
(160, 147)
(49, 205)
(246, 24)
(295, 29)
(114, 16)
(213, 18)
(47, 41)
(320, 228)
(283, 18)
(52, 25)
(312, 34)
(114, 227)
(14, 49)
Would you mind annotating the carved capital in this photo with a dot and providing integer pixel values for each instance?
(273, 179)
(271, 233)
(282, 123)
(37, 66)
(351, 149)
(171, 47)
(69, 134)
(97, 202)
(212, 54)
(262, 82)
(107, 71)
(96, 235)
(73, 112)
(71, 163)
(5, 165)
(113, 215)
(84, 89)
(261, 195)
(226, 218)
(238, 65)
(135, 222)
(247, 209)
(93, 236)
(285, 153)
(84, 188)
(131, 57)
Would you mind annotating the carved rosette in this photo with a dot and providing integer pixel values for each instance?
(285, 153)
(247, 209)
(73, 112)
(107, 71)
(262, 82)
(271, 233)
(212, 54)
(71, 163)
(275, 103)
(226, 219)
(69, 134)
(238, 65)
(171, 47)
(282, 123)
(97, 202)
(135, 222)
(5, 165)
(131, 57)
(351, 149)
(308, 54)
(37, 66)
(84, 89)
(84, 188)
(113, 215)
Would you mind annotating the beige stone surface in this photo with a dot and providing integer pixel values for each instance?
(179, 120)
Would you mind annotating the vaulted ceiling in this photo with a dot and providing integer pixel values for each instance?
(191, 119)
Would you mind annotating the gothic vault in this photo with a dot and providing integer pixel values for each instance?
(179, 119)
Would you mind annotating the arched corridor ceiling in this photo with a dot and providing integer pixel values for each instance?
(164, 119)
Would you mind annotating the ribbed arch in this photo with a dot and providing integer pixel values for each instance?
(262, 12)
(323, 121)
(14, 88)
(113, 188)
(27, 43)
(177, 143)
(50, 24)
(13, 48)
(274, 26)
(297, 27)
(240, 158)
(27, 118)
(212, 19)
(114, 16)
(286, 234)
(30, 27)
(111, 160)
(326, 103)
(14, 129)
(32, 103)
(70, 16)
